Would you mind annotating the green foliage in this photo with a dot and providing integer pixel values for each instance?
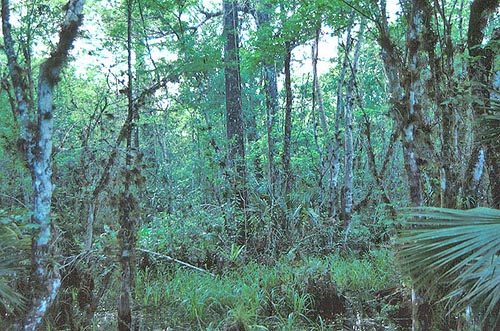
(374, 271)
(194, 238)
(455, 251)
(13, 258)
(288, 295)
(296, 257)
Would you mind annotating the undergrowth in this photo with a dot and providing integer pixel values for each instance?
(309, 294)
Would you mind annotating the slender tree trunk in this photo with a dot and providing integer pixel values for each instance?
(127, 204)
(270, 80)
(271, 88)
(287, 137)
(326, 164)
(348, 128)
(335, 158)
(319, 147)
(372, 164)
(38, 146)
(443, 89)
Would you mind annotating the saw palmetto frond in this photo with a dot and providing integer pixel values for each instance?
(454, 250)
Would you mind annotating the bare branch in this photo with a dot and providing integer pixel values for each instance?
(171, 259)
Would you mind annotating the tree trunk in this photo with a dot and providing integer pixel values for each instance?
(38, 147)
(348, 142)
(316, 93)
(127, 204)
(480, 67)
(335, 157)
(326, 164)
(443, 88)
(287, 137)
(271, 88)
(234, 117)
(406, 94)
(372, 164)
(270, 80)
(414, 91)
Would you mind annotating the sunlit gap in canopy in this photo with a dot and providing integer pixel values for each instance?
(92, 50)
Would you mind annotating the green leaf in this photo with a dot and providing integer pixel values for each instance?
(456, 250)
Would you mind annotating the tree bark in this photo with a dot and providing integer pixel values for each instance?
(372, 164)
(406, 90)
(270, 80)
(316, 93)
(326, 164)
(272, 106)
(348, 133)
(287, 136)
(443, 90)
(480, 67)
(234, 116)
(337, 142)
(127, 201)
(37, 141)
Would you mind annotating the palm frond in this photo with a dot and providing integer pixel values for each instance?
(454, 250)
(489, 124)
(13, 247)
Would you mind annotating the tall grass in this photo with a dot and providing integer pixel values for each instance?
(254, 296)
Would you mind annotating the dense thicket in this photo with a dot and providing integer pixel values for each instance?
(238, 165)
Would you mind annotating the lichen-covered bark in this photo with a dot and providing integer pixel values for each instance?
(406, 90)
(348, 133)
(127, 201)
(17, 74)
(480, 66)
(37, 138)
(337, 135)
(442, 89)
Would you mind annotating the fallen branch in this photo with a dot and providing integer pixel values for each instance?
(171, 259)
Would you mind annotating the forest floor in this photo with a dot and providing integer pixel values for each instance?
(331, 292)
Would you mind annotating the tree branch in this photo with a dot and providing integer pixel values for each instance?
(171, 259)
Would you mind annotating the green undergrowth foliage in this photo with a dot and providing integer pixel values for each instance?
(205, 237)
(324, 293)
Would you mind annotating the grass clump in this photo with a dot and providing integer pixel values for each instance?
(308, 294)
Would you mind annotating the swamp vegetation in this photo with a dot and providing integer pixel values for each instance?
(250, 165)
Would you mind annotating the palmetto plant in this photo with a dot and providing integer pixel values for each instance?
(457, 252)
(12, 253)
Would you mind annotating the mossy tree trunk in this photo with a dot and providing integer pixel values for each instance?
(347, 200)
(37, 132)
(127, 200)
(480, 67)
